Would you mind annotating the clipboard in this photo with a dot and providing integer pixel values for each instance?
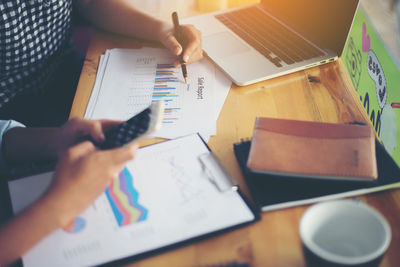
(156, 196)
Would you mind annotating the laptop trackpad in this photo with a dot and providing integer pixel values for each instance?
(223, 44)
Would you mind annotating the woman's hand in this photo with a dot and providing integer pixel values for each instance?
(75, 129)
(82, 174)
(190, 43)
(25, 145)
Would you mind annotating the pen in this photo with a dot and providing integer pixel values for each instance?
(175, 20)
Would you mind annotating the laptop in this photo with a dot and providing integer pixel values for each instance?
(256, 42)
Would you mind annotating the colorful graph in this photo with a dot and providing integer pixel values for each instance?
(165, 88)
(76, 226)
(123, 199)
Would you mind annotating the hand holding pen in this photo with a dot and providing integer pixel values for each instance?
(188, 45)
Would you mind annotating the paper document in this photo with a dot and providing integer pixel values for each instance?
(164, 196)
(128, 80)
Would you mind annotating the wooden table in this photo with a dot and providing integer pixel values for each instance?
(274, 240)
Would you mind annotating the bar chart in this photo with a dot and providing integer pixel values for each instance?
(165, 88)
(129, 80)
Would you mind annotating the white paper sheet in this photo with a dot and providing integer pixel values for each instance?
(128, 80)
(162, 197)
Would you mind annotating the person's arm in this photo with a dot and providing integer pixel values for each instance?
(6, 125)
(77, 182)
(27, 229)
(121, 16)
(22, 145)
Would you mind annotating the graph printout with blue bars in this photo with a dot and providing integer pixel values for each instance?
(133, 78)
(165, 88)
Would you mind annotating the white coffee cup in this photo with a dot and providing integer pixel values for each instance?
(343, 233)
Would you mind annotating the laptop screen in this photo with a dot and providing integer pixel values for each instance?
(324, 22)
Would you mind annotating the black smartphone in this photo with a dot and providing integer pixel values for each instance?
(137, 127)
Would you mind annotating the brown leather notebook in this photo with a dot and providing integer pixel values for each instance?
(313, 149)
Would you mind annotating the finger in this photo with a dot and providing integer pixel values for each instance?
(80, 150)
(118, 158)
(172, 44)
(196, 56)
(81, 128)
(176, 63)
(193, 37)
(109, 124)
(122, 154)
(96, 131)
(84, 148)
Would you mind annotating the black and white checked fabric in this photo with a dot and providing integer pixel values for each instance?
(34, 37)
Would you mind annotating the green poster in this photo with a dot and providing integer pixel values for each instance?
(376, 78)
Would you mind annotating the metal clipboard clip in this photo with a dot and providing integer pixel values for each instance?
(216, 173)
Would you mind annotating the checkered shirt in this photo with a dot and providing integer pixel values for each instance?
(34, 35)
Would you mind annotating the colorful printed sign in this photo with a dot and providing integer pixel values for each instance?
(376, 78)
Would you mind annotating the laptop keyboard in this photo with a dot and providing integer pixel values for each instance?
(269, 37)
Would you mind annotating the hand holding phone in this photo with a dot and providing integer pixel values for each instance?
(137, 127)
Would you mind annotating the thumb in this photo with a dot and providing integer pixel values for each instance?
(122, 154)
(79, 150)
(118, 157)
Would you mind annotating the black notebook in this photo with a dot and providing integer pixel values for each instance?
(274, 191)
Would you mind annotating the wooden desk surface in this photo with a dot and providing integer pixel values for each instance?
(273, 241)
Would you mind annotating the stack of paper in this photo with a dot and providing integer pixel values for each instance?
(128, 80)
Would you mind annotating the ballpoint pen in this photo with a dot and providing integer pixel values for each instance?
(175, 21)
